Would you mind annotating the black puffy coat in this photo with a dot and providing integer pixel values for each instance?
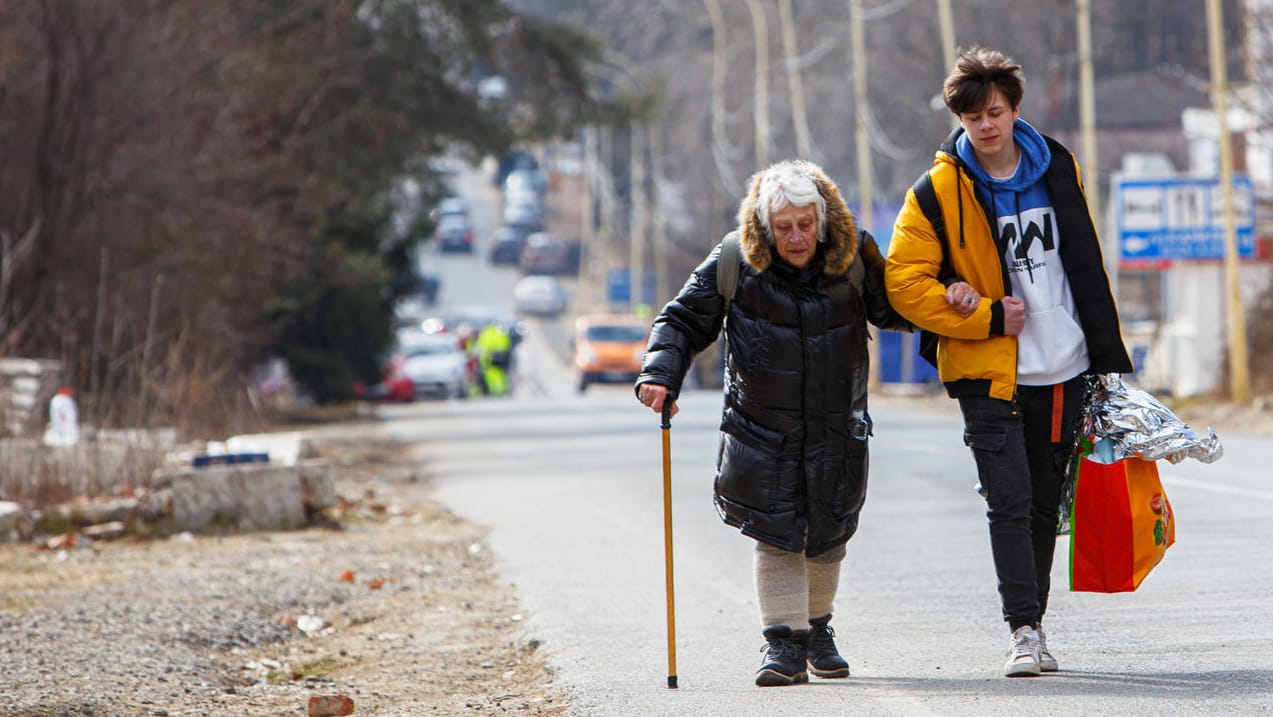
(792, 463)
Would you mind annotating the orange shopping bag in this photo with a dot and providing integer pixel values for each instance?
(1121, 525)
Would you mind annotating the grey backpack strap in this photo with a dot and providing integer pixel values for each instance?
(857, 272)
(727, 267)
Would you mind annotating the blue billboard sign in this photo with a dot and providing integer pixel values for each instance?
(1181, 218)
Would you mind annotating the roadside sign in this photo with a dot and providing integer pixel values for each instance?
(619, 286)
(1181, 218)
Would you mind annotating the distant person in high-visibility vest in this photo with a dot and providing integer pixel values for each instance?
(495, 349)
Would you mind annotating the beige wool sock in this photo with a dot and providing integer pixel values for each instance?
(782, 587)
(824, 581)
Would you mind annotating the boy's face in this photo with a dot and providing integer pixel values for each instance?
(990, 130)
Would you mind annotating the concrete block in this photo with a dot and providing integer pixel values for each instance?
(318, 484)
(247, 497)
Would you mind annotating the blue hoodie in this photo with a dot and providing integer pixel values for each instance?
(1051, 348)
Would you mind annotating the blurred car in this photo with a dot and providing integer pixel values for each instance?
(526, 179)
(454, 233)
(450, 207)
(446, 167)
(540, 295)
(436, 365)
(393, 386)
(524, 211)
(514, 160)
(609, 348)
(505, 245)
(473, 318)
(545, 253)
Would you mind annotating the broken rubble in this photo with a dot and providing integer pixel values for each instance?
(330, 706)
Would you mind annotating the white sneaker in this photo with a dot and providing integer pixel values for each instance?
(1047, 663)
(1023, 654)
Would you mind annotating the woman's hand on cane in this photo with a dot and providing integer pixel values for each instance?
(653, 395)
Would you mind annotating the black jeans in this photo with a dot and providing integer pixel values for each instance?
(1021, 448)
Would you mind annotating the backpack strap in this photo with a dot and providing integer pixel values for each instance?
(727, 267)
(857, 272)
(926, 197)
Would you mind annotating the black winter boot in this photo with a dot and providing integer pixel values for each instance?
(824, 659)
(785, 657)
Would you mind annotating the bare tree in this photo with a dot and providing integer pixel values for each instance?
(238, 148)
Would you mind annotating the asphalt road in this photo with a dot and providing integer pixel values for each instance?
(570, 486)
(572, 493)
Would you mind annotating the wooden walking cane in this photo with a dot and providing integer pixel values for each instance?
(667, 540)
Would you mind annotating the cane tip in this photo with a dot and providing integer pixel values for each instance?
(671, 682)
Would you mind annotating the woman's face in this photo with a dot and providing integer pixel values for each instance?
(795, 232)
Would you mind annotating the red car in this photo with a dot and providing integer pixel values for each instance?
(394, 385)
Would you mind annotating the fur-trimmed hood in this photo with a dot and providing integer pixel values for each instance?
(841, 233)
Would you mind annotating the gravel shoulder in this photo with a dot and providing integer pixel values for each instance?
(397, 605)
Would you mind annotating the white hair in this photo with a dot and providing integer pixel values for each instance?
(789, 183)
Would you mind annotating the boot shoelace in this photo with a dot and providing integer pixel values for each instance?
(821, 637)
(1026, 645)
(782, 650)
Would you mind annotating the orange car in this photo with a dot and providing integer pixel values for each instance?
(609, 348)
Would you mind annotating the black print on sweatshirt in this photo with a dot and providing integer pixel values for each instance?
(1020, 247)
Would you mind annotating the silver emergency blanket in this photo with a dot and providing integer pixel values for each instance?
(1127, 421)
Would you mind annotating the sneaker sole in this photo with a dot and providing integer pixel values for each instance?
(1022, 671)
(1049, 666)
(773, 678)
(830, 674)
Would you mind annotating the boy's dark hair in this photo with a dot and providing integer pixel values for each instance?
(978, 71)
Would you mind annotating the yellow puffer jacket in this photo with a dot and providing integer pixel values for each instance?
(974, 357)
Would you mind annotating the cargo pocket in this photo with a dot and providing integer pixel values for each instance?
(750, 463)
(987, 450)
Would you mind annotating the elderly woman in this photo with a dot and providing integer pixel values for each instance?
(792, 465)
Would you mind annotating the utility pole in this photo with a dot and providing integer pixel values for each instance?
(866, 194)
(590, 268)
(946, 20)
(660, 226)
(1087, 112)
(1239, 376)
(795, 87)
(857, 32)
(636, 214)
(605, 198)
(760, 99)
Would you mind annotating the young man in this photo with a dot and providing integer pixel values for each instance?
(1022, 313)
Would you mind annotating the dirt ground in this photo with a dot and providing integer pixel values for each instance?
(408, 615)
(450, 644)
